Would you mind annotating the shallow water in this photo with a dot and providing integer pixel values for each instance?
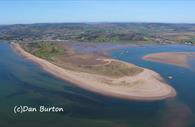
(24, 83)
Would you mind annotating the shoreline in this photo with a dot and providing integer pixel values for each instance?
(149, 90)
(179, 59)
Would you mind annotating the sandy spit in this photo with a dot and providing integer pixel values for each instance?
(146, 86)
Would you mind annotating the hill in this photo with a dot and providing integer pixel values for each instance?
(101, 32)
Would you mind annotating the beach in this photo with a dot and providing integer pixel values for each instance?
(174, 58)
(147, 85)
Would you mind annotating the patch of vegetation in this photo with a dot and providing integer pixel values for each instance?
(192, 40)
(114, 69)
(48, 51)
(124, 83)
(189, 41)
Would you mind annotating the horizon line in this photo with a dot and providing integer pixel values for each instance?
(97, 22)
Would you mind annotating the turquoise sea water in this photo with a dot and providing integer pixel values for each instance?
(24, 83)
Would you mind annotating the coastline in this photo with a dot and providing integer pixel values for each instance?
(149, 90)
(179, 59)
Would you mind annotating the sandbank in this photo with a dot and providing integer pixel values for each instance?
(174, 58)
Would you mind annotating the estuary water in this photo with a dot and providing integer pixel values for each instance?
(25, 83)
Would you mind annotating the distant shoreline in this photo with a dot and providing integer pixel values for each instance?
(150, 88)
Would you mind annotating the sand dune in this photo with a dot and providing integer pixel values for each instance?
(146, 85)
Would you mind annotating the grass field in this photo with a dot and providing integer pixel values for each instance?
(49, 51)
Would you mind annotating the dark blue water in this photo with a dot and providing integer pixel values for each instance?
(183, 78)
(24, 83)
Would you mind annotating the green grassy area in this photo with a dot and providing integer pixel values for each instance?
(49, 51)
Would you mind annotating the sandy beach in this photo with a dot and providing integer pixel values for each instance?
(175, 58)
(147, 85)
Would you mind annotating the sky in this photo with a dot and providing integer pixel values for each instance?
(57, 11)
